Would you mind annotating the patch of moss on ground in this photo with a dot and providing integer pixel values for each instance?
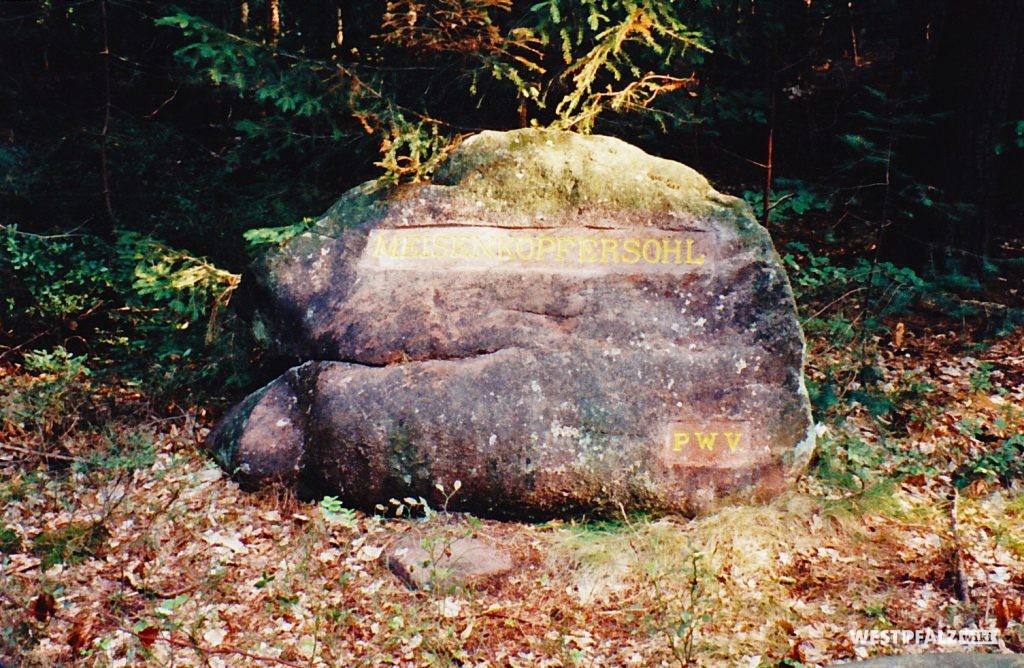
(10, 541)
(70, 544)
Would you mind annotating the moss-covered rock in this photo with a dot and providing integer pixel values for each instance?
(562, 323)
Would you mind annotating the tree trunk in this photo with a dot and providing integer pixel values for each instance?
(274, 20)
(108, 218)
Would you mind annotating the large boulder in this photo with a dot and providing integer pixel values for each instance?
(562, 323)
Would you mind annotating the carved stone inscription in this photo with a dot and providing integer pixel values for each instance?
(559, 249)
(560, 322)
(717, 443)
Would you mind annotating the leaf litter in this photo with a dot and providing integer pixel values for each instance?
(189, 570)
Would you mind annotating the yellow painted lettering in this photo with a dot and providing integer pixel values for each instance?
(706, 441)
(544, 244)
(667, 249)
(588, 250)
(654, 256)
(679, 439)
(442, 245)
(563, 247)
(460, 246)
(481, 249)
(632, 247)
(408, 249)
(505, 248)
(609, 248)
(527, 253)
(384, 248)
(733, 439)
(689, 254)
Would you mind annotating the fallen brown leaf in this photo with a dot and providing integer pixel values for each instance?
(43, 607)
(147, 636)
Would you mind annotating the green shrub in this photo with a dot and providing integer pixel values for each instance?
(126, 451)
(133, 307)
(981, 378)
(794, 199)
(869, 290)
(52, 398)
(1004, 464)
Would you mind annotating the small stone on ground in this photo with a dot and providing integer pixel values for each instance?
(430, 562)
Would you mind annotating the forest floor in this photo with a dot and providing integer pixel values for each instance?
(130, 547)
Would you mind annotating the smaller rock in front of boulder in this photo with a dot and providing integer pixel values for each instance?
(442, 562)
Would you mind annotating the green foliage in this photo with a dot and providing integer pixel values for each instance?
(615, 57)
(178, 286)
(139, 305)
(823, 394)
(275, 236)
(50, 278)
(10, 541)
(336, 513)
(852, 380)
(893, 404)
(882, 182)
(412, 151)
(122, 452)
(812, 276)
(847, 460)
(842, 295)
(793, 200)
(981, 378)
(12, 165)
(1013, 137)
(308, 103)
(1003, 464)
(52, 399)
(226, 59)
(70, 544)
(740, 106)
(611, 52)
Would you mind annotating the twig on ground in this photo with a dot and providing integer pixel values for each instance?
(963, 591)
(39, 453)
(160, 593)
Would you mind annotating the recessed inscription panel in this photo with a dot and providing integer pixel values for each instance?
(716, 443)
(558, 249)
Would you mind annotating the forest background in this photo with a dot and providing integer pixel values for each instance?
(149, 151)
